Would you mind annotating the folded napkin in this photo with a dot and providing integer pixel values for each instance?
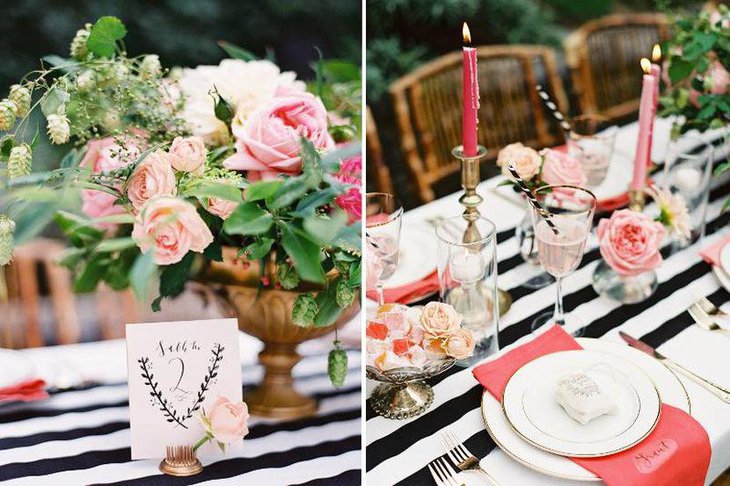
(410, 291)
(711, 254)
(677, 451)
(24, 391)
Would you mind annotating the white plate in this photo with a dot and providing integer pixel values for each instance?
(725, 258)
(15, 367)
(416, 256)
(671, 390)
(530, 405)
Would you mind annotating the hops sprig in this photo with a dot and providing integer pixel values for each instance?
(344, 294)
(78, 49)
(305, 310)
(59, 129)
(7, 227)
(287, 276)
(150, 67)
(8, 114)
(20, 161)
(20, 95)
(337, 365)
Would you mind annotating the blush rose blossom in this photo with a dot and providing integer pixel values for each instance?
(459, 344)
(187, 154)
(526, 161)
(560, 168)
(268, 144)
(152, 177)
(170, 228)
(440, 319)
(226, 422)
(630, 241)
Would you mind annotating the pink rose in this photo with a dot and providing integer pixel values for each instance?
(268, 144)
(170, 227)
(227, 421)
(440, 319)
(459, 344)
(98, 204)
(351, 203)
(350, 171)
(152, 177)
(187, 154)
(106, 155)
(629, 242)
(526, 161)
(561, 168)
(222, 208)
(720, 78)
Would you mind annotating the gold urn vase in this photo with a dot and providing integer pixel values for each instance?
(266, 314)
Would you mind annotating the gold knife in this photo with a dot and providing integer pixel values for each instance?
(719, 391)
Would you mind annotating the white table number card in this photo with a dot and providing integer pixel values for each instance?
(175, 371)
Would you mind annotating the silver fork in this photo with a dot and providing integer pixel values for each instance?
(442, 473)
(703, 319)
(711, 308)
(461, 457)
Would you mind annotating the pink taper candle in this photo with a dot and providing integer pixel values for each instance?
(470, 97)
(647, 110)
(656, 71)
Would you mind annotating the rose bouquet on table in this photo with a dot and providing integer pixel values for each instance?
(165, 168)
(537, 169)
(400, 336)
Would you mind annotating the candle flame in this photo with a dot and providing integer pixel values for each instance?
(656, 53)
(646, 65)
(465, 32)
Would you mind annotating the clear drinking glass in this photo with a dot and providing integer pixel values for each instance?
(383, 219)
(468, 280)
(591, 141)
(687, 171)
(571, 211)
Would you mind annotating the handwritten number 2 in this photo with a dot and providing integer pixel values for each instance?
(182, 373)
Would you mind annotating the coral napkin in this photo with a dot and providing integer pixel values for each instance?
(407, 293)
(711, 254)
(676, 452)
(25, 391)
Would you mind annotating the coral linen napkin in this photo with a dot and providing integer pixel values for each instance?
(406, 294)
(711, 254)
(25, 391)
(676, 452)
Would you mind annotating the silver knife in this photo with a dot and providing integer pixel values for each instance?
(719, 391)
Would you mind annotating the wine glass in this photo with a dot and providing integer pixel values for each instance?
(383, 219)
(561, 239)
(591, 141)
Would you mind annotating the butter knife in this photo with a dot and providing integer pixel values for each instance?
(719, 391)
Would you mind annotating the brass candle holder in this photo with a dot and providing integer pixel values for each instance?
(470, 179)
(636, 200)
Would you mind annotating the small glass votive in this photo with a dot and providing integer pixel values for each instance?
(591, 141)
(468, 280)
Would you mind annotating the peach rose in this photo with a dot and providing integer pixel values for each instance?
(187, 154)
(227, 421)
(720, 78)
(525, 159)
(222, 208)
(434, 346)
(459, 344)
(560, 168)
(440, 319)
(268, 143)
(152, 177)
(629, 242)
(170, 227)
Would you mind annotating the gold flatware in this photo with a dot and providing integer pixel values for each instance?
(701, 316)
(180, 461)
(442, 473)
(719, 391)
(461, 457)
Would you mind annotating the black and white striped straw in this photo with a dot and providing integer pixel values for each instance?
(548, 102)
(533, 200)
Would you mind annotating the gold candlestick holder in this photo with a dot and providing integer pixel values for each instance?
(636, 200)
(470, 179)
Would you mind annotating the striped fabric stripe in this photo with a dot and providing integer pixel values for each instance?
(392, 445)
(82, 437)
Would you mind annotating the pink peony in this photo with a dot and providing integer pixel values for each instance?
(227, 421)
(526, 161)
(187, 154)
(561, 168)
(268, 144)
(629, 242)
(350, 171)
(459, 344)
(351, 203)
(170, 227)
(152, 177)
(440, 319)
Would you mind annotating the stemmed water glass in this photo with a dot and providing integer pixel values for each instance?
(560, 246)
(591, 141)
(383, 219)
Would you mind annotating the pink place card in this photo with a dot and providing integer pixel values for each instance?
(176, 370)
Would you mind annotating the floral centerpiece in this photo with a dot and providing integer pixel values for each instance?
(167, 171)
(548, 166)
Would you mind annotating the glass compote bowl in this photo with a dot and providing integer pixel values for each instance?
(403, 392)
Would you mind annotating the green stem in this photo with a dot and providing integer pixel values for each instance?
(202, 441)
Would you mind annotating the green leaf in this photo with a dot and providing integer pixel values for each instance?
(309, 203)
(291, 190)
(679, 69)
(91, 274)
(173, 277)
(80, 231)
(720, 169)
(337, 366)
(118, 270)
(115, 244)
(262, 190)
(259, 248)
(304, 310)
(248, 219)
(237, 52)
(355, 275)
(325, 228)
(104, 36)
(142, 275)
(349, 238)
(214, 251)
(311, 167)
(215, 189)
(705, 40)
(304, 252)
(53, 100)
(329, 311)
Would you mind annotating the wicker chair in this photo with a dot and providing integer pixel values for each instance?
(377, 169)
(427, 105)
(603, 56)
